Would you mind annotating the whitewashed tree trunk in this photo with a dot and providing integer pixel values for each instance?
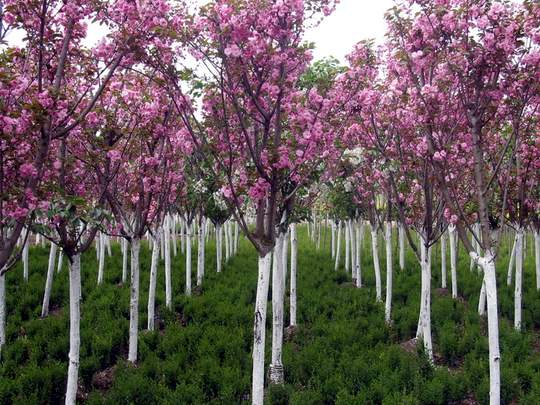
(219, 250)
(424, 323)
(235, 244)
(49, 281)
(443, 260)
(338, 246)
(188, 259)
(172, 233)
(200, 253)
(227, 242)
(134, 300)
(259, 330)
(230, 234)
(3, 311)
(294, 259)
(482, 299)
(401, 237)
(376, 263)
(125, 250)
(285, 257)
(352, 237)
(153, 281)
(519, 279)
(275, 371)
(347, 247)
(487, 262)
(60, 261)
(511, 262)
(166, 232)
(108, 244)
(389, 272)
(358, 260)
(453, 259)
(333, 239)
(182, 236)
(74, 328)
(101, 259)
(537, 257)
(26, 247)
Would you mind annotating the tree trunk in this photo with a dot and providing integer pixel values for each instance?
(3, 311)
(49, 281)
(338, 246)
(488, 265)
(333, 239)
(200, 253)
(347, 247)
(358, 260)
(401, 236)
(294, 257)
(424, 323)
(519, 279)
(166, 232)
(352, 234)
(124, 260)
(453, 259)
(101, 260)
(26, 247)
(376, 263)
(285, 257)
(443, 260)
(235, 244)
(172, 233)
(537, 257)
(227, 242)
(74, 328)
(275, 371)
(389, 271)
(134, 300)
(153, 281)
(259, 330)
(219, 250)
(511, 262)
(188, 259)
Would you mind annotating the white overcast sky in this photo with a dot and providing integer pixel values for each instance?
(352, 21)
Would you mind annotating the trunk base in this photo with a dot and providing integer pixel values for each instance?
(275, 374)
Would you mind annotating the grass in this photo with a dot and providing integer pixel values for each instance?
(343, 352)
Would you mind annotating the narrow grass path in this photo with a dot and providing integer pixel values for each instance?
(342, 352)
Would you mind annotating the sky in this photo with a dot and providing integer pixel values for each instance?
(352, 21)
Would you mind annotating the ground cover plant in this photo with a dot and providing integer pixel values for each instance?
(342, 352)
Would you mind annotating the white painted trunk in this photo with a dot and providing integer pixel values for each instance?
(172, 234)
(101, 258)
(511, 262)
(3, 311)
(60, 261)
(537, 257)
(125, 250)
(358, 260)
(49, 281)
(108, 244)
(482, 299)
(134, 300)
(519, 279)
(443, 260)
(153, 282)
(227, 242)
(200, 253)
(376, 263)
(182, 236)
(347, 247)
(294, 259)
(259, 330)
(74, 329)
(235, 250)
(453, 259)
(352, 234)
(188, 259)
(424, 322)
(333, 239)
(389, 272)
(230, 234)
(285, 257)
(168, 272)
(488, 265)
(25, 256)
(219, 250)
(275, 371)
(401, 237)
(338, 246)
